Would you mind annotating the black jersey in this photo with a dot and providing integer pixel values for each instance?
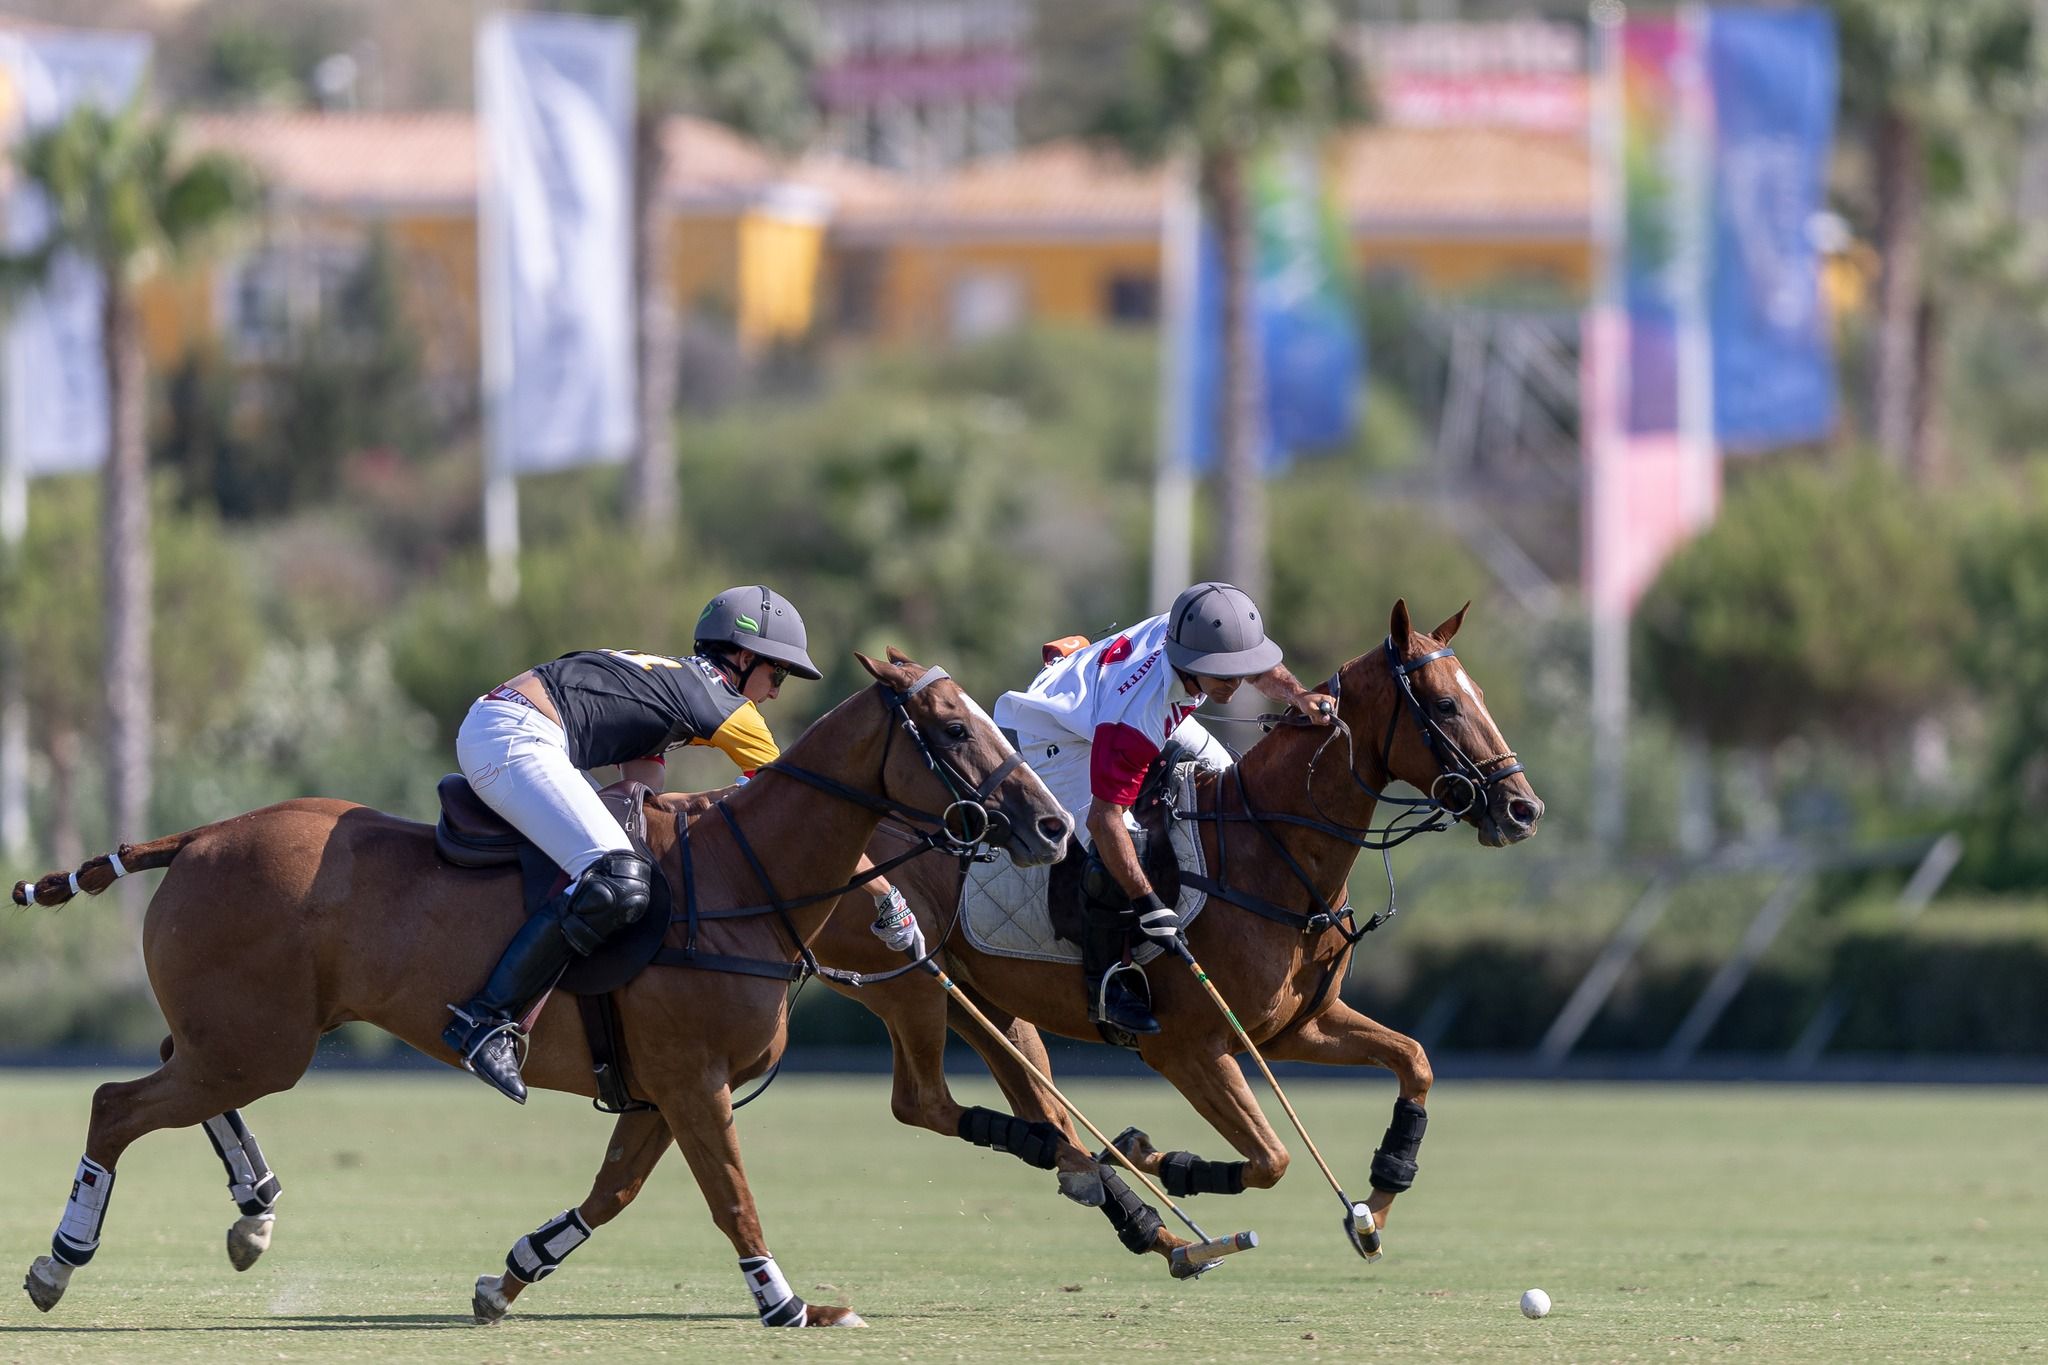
(617, 705)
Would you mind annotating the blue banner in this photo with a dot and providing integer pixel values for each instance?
(1774, 76)
(1309, 344)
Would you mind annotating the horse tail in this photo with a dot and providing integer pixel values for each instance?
(96, 874)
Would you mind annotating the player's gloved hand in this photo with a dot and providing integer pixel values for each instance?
(1156, 920)
(896, 926)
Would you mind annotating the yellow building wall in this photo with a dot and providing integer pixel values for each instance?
(778, 276)
(704, 262)
(1068, 281)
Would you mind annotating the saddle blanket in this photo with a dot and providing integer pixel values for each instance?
(1003, 910)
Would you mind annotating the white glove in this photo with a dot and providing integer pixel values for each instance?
(1156, 920)
(896, 926)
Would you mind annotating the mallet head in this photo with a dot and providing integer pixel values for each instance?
(1363, 1232)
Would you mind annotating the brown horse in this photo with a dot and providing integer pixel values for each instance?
(274, 927)
(1415, 715)
(1281, 832)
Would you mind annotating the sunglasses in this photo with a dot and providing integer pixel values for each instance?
(778, 675)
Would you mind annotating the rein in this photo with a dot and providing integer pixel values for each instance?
(1458, 775)
(967, 797)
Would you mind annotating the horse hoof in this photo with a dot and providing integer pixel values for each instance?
(249, 1238)
(489, 1303)
(46, 1281)
(1084, 1187)
(825, 1315)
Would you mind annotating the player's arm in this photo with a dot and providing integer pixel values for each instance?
(651, 770)
(1282, 686)
(743, 737)
(1118, 759)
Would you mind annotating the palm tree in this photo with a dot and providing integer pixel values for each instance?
(1223, 80)
(122, 199)
(1939, 94)
(743, 64)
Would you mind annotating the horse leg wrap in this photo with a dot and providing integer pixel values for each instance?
(773, 1298)
(540, 1253)
(1184, 1173)
(78, 1234)
(251, 1183)
(1136, 1222)
(1034, 1144)
(1393, 1165)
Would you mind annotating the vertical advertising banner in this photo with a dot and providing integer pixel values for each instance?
(1774, 80)
(55, 366)
(1311, 354)
(555, 100)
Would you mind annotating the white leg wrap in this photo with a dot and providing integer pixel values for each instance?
(251, 1183)
(114, 861)
(541, 1252)
(78, 1235)
(773, 1298)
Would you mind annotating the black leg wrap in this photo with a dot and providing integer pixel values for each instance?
(540, 1253)
(1393, 1165)
(252, 1184)
(1184, 1173)
(1136, 1222)
(1034, 1144)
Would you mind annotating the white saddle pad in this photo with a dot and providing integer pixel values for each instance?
(1002, 905)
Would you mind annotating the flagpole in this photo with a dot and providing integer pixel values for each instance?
(1173, 484)
(1700, 465)
(501, 484)
(1606, 394)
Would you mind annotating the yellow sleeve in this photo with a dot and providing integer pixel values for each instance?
(744, 738)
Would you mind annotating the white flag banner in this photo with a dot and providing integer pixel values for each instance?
(55, 366)
(555, 98)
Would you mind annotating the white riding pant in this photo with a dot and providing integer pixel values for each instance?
(1062, 764)
(517, 760)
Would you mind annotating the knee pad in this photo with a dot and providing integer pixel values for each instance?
(1034, 1144)
(610, 895)
(1184, 1173)
(1393, 1165)
(1136, 1222)
(1101, 896)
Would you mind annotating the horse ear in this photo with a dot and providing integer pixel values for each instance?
(1449, 628)
(897, 656)
(893, 673)
(1398, 627)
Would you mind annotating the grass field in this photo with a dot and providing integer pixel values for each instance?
(1666, 1223)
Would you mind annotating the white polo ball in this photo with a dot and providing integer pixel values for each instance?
(1535, 1303)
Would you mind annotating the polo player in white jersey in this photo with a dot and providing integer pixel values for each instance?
(1091, 725)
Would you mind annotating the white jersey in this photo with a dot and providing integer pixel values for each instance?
(1120, 696)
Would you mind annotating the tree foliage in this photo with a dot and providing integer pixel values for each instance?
(1820, 602)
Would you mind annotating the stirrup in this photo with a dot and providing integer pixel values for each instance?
(1130, 1012)
(468, 1034)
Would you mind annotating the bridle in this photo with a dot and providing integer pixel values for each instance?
(966, 829)
(1462, 785)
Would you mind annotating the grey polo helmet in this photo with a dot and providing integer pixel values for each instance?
(1215, 630)
(758, 618)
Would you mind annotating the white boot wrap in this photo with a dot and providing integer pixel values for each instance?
(78, 1235)
(251, 1183)
(773, 1298)
(540, 1253)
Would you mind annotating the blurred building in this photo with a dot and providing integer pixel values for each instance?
(777, 250)
(922, 85)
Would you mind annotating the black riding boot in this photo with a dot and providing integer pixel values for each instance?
(485, 1034)
(1110, 1000)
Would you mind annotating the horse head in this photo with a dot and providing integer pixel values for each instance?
(1441, 740)
(958, 762)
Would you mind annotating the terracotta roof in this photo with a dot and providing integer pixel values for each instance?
(1393, 180)
(430, 158)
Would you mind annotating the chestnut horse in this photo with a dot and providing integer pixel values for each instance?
(1280, 832)
(274, 927)
(1280, 828)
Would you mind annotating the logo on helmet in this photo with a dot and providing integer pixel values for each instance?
(747, 623)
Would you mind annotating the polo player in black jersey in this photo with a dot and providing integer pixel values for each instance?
(524, 747)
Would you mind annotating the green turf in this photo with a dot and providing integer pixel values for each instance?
(1687, 1223)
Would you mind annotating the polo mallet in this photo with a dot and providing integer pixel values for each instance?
(1184, 1259)
(1366, 1240)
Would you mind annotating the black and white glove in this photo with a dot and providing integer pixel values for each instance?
(896, 926)
(1156, 920)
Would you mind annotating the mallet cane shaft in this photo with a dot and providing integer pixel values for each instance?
(960, 998)
(1351, 1211)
